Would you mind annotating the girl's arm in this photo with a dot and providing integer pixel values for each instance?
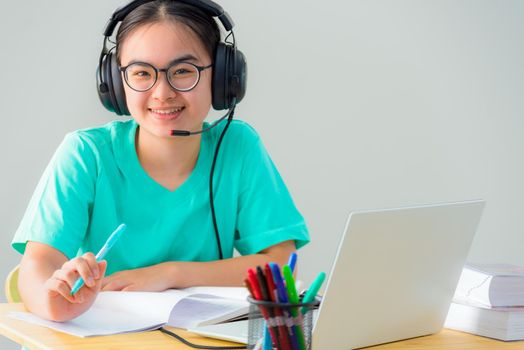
(46, 277)
(227, 272)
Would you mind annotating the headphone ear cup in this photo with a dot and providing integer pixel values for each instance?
(238, 82)
(229, 76)
(118, 87)
(219, 81)
(111, 88)
(102, 85)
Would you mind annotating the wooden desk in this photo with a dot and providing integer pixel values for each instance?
(36, 337)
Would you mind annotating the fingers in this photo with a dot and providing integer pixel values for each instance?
(67, 276)
(93, 264)
(102, 267)
(60, 287)
(130, 288)
(114, 284)
(85, 267)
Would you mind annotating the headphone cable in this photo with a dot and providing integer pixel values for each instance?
(211, 196)
(197, 346)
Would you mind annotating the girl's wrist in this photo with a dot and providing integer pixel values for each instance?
(171, 272)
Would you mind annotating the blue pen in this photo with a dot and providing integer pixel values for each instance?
(292, 261)
(282, 297)
(102, 253)
(267, 343)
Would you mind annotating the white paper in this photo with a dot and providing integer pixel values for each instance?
(120, 312)
(492, 285)
(497, 269)
(204, 309)
(95, 322)
(500, 323)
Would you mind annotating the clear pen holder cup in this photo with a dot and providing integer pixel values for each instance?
(289, 326)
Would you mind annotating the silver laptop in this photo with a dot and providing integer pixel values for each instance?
(393, 277)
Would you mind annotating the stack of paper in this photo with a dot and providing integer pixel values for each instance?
(499, 323)
(121, 312)
(489, 301)
(493, 285)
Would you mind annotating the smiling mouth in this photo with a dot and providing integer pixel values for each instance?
(167, 113)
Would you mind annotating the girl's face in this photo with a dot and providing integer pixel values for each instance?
(161, 108)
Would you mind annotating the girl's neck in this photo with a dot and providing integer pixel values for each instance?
(175, 157)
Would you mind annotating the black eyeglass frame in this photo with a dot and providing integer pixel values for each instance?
(157, 70)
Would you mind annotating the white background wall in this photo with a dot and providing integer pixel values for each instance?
(362, 104)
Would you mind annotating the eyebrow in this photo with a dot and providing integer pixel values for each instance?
(183, 58)
(188, 57)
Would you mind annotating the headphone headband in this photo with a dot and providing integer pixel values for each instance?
(209, 7)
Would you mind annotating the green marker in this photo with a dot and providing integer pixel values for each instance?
(313, 290)
(293, 299)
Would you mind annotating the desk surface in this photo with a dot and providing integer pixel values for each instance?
(36, 337)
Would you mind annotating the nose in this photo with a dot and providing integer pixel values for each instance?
(162, 91)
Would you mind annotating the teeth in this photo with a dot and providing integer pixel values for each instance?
(167, 111)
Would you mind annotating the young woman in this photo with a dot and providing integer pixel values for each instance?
(136, 172)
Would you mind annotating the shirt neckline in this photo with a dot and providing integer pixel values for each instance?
(136, 171)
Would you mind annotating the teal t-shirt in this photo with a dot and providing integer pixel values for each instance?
(94, 182)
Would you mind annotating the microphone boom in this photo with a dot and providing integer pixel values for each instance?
(189, 133)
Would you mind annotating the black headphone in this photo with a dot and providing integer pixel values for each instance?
(229, 64)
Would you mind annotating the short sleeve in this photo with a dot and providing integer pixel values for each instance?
(267, 214)
(58, 212)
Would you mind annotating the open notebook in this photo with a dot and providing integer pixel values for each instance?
(122, 312)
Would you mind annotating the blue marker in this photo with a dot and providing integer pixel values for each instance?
(292, 261)
(279, 282)
(283, 298)
(102, 253)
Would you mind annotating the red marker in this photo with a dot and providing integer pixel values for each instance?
(282, 330)
(252, 279)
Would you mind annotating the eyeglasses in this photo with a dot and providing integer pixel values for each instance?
(182, 76)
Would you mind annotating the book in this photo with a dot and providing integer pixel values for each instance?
(505, 323)
(122, 312)
(491, 285)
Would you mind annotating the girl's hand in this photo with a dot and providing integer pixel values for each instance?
(59, 285)
(154, 278)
